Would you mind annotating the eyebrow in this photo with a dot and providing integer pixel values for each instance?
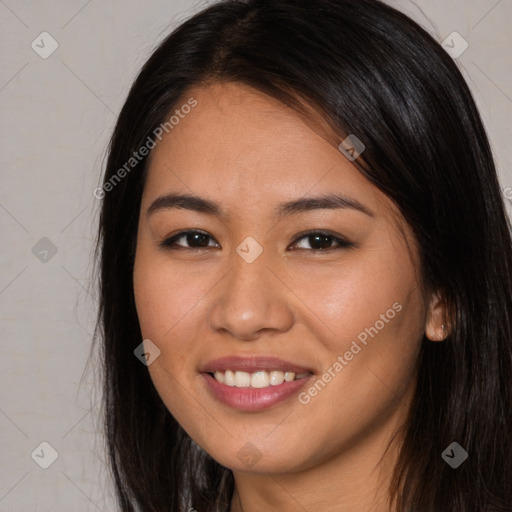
(297, 206)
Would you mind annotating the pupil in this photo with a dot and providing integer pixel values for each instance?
(324, 238)
(197, 239)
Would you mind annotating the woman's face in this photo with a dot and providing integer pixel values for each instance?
(253, 285)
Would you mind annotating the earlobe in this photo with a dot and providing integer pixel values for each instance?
(436, 327)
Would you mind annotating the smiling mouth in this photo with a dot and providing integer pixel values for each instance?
(256, 380)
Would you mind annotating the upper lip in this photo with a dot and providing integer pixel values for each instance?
(252, 364)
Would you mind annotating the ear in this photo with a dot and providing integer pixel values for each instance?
(436, 326)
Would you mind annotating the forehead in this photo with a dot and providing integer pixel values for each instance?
(238, 142)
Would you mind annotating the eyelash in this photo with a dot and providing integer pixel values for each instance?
(170, 243)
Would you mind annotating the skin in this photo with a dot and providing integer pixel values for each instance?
(248, 152)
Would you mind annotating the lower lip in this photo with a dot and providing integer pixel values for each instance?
(253, 399)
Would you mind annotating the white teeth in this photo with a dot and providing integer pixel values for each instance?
(259, 379)
(276, 378)
(289, 376)
(229, 378)
(242, 379)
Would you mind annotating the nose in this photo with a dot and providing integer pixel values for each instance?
(251, 300)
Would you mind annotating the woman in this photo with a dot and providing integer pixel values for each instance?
(306, 271)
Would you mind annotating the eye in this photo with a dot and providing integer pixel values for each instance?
(196, 240)
(322, 241)
(318, 241)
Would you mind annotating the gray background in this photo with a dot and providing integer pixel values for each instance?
(57, 116)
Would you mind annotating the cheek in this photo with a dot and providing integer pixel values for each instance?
(372, 315)
(167, 301)
(170, 301)
(165, 294)
(375, 288)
